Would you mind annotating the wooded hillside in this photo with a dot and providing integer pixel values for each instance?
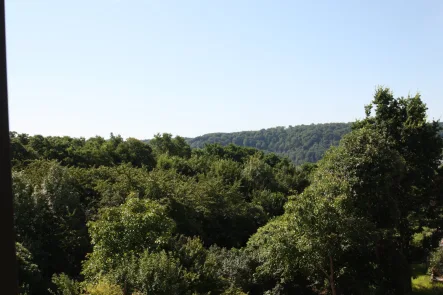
(301, 144)
(304, 143)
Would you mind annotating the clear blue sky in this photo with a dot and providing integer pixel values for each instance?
(138, 67)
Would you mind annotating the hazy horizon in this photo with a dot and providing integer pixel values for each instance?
(107, 136)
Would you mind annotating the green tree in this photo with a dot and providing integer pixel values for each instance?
(257, 174)
(65, 285)
(135, 152)
(403, 122)
(129, 228)
(159, 273)
(29, 275)
(165, 144)
(49, 218)
(277, 258)
(331, 231)
(20, 154)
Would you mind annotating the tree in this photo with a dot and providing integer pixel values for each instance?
(65, 285)
(277, 269)
(403, 122)
(135, 152)
(159, 273)
(165, 144)
(29, 275)
(119, 232)
(327, 236)
(257, 174)
(331, 231)
(49, 219)
(19, 153)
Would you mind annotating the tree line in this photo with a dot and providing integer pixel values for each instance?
(304, 143)
(115, 216)
(301, 144)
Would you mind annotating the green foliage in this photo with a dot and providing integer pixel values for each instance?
(272, 203)
(103, 288)
(350, 206)
(109, 186)
(227, 170)
(216, 212)
(49, 218)
(165, 144)
(199, 276)
(257, 174)
(436, 260)
(129, 228)
(29, 275)
(65, 285)
(275, 257)
(93, 152)
(304, 143)
(159, 273)
(301, 144)
(119, 216)
(403, 123)
(421, 283)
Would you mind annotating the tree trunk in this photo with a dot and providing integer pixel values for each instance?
(331, 276)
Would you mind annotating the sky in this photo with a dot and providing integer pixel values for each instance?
(138, 67)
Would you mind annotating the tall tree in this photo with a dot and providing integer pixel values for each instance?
(49, 218)
(331, 231)
(403, 122)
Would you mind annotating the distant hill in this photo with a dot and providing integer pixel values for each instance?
(303, 143)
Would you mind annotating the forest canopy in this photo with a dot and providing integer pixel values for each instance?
(114, 216)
